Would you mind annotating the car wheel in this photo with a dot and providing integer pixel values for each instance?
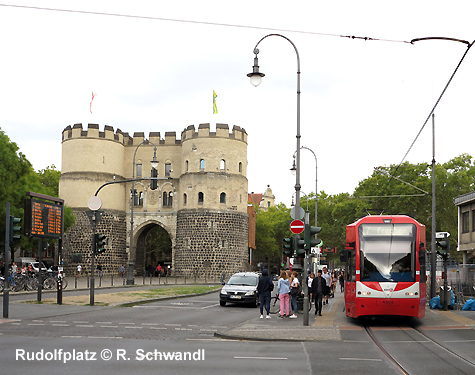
(256, 302)
(222, 303)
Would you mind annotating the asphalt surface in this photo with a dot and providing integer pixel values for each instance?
(329, 326)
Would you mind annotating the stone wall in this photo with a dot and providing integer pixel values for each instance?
(79, 240)
(211, 242)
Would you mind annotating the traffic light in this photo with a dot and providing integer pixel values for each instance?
(100, 242)
(308, 240)
(289, 246)
(301, 249)
(443, 246)
(154, 182)
(14, 229)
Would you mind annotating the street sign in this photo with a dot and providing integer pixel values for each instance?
(297, 226)
(297, 215)
(442, 235)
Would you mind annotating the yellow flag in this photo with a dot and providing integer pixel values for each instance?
(215, 109)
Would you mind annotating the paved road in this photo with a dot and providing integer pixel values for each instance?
(135, 337)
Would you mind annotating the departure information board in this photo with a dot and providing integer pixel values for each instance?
(43, 219)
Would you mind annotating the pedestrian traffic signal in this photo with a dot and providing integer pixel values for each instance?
(443, 246)
(308, 240)
(288, 246)
(154, 182)
(101, 241)
(14, 229)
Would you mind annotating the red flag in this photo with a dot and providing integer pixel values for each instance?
(90, 105)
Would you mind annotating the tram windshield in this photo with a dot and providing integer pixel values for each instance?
(387, 252)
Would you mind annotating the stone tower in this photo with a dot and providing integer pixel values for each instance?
(201, 199)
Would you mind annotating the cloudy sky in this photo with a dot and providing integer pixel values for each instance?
(154, 64)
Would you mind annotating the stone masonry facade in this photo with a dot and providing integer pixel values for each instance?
(211, 242)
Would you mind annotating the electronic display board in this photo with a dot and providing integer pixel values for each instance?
(43, 219)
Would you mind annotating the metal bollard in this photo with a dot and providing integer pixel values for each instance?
(75, 281)
(59, 297)
(185, 278)
(112, 279)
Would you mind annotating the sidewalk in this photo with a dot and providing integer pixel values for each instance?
(330, 324)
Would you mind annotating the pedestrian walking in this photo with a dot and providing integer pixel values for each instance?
(283, 288)
(341, 279)
(121, 271)
(328, 280)
(79, 270)
(318, 287)
(99, 270)
(264, 287)
(295, 290)
(309, 290)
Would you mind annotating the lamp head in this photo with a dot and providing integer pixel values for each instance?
(256, 76)
(154, 161)
(293, 170)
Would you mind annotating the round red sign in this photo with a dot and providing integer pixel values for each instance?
(297, 226)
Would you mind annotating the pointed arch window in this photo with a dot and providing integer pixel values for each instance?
(222, 198)
(201, 197)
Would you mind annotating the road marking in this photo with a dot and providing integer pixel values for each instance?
(79, 322)
(103, 322)
(361, 359)
(460, 341)
(266, 358)
(150, 324)
(85, 325)
(207, 307)
(127, 323)
(57, 321)
(183, 329)
(158, 328)
(134, 327)
(110, 327)
(36, 324)
(173, 325)
(72, 337)
(60, 325)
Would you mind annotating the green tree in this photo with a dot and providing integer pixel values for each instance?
(271, 229)
(18, 177)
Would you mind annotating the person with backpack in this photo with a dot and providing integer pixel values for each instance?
(264, 287)
(295, 291)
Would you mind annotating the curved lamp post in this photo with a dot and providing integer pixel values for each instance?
(256, 79)
(154, 163)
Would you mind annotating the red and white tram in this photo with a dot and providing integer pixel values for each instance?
(385, 267)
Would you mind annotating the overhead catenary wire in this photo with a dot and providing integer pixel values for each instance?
(202, 23)
(469, 45)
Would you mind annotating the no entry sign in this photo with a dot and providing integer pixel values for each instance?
(297, 226)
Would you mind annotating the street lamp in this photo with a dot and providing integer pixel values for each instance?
(256, 78)
(154, 163)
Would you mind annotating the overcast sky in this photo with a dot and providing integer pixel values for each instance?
(362, 101)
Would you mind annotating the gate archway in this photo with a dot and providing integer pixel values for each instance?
(154, 246)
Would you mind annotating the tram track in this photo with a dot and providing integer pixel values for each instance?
(462, 364)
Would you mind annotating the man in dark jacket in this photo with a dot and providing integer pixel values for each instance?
(264, 288)
(318, 289)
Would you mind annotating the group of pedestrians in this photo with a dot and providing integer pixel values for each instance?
(288, 288)
(320, 287)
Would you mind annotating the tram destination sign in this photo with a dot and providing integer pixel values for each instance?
(43, 219)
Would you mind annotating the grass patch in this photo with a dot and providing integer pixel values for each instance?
(173, 291)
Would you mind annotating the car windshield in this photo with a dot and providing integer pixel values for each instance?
(243, 280)
(387, 252)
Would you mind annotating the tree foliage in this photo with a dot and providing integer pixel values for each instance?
(405, 189)
(18, 177)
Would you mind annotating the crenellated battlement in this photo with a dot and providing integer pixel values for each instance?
(222, 131)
